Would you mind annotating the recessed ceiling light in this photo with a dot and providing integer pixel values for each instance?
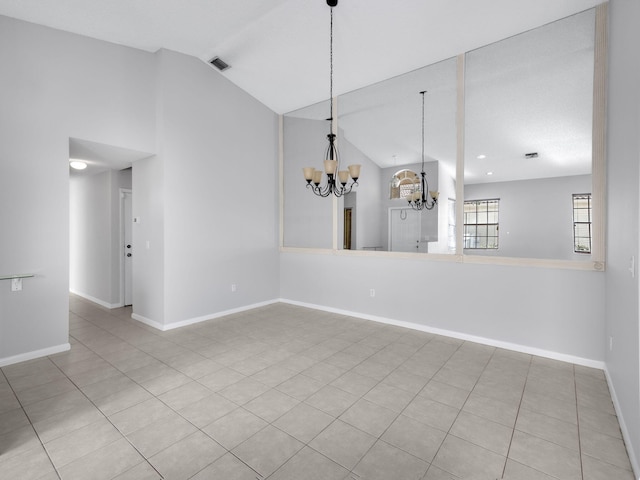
(489, 173)
(481, 157)
(77, 164)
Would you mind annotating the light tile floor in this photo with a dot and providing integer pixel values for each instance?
(283, 392)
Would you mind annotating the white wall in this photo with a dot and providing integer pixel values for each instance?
(536, 216)
(148, 239)
(367, 227)
(219, 152)
(80, 88)
(550, 311)
(623, 158)
(308, 219)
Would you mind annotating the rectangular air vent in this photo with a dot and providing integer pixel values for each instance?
(219, 64)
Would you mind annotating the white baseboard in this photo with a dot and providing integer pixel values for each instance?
(204, 318)
(102, 303)
(148, 321)
(461, 336)
(23, 357)
(623, 426)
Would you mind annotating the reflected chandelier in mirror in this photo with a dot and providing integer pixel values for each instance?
(418, 200)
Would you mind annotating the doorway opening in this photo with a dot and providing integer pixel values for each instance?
(346, 244)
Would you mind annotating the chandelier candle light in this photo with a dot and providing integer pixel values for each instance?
(418, 200)
(331, 157)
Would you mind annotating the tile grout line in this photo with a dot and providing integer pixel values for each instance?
(260, 477)
(405, 407)
(462, 407)
(106, 418)
(30, 422)
(307, 444)
(160, 400)
(513, 431)
(575, 390)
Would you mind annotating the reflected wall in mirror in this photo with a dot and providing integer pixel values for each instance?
(528, 140)
(308, 219)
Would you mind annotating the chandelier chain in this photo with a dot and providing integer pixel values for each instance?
(422, 93)
(337, 181)
(331, 70)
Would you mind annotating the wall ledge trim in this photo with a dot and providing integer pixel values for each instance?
(45, 352)
(585, 362)
(583, 265)
(102, 303)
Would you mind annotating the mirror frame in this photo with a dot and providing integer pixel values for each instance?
(597, 261)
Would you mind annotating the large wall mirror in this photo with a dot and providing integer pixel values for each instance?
(527, 178)
(528, 143)
(379, 127)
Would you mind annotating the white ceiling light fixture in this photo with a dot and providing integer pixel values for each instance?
(331, 158)
(77, 164)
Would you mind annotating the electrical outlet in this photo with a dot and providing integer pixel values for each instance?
(233, 287)
(372, 292)
(610, 344)
(16, 284)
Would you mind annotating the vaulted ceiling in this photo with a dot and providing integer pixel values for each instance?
(278, 49)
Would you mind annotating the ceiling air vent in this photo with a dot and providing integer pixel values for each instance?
(219, 64)
(531, 155)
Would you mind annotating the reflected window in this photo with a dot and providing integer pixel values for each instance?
(481, 224)
(582, 223)
(404, 183)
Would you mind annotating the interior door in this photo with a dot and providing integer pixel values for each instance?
(404, 230)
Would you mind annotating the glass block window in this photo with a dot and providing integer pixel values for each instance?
(481, 224)
(407, 189)
(582, 223)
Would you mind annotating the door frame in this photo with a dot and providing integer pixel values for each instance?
(122, 193)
